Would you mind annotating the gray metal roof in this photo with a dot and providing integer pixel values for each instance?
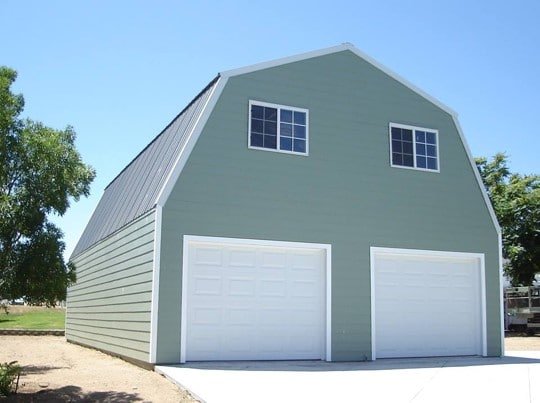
(136, 188)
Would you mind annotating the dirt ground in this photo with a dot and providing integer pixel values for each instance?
(519, 342)
(57, 371)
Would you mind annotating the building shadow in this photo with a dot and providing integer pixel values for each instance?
(378, 365)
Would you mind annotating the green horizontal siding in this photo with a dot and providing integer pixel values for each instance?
(109, 306)
(345, 193)
(116, 345)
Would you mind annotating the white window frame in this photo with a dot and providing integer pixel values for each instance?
(414, 128)
(278, 107)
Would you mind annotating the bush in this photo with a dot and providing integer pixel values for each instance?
(9, 378)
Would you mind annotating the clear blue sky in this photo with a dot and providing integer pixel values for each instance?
(119, 71)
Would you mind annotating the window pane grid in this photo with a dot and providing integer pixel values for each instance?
(279, 128)
(413, 147)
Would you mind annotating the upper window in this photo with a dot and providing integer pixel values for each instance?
(278, 128)
(414, 147)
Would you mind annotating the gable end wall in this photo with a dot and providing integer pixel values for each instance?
(344, 193)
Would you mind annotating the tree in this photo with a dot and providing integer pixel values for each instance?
(516, 201)
(40, 172)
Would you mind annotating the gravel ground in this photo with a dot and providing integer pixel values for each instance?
(57, 371)
(518, 342)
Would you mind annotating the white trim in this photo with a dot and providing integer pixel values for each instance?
(336, 49)
(372, 301)
(501, 294)
(483, 301)
(419, 252)
(328, 269)
(284, 60)
(196, 132)
(183, 309)
(155, 287)
(414, 129)
(193, 136)
(189, 239)
(477, 175)
(279, 107)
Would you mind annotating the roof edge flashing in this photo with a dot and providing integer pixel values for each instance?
(206, 88)
(335, 49)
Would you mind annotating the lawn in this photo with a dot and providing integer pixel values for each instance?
(23, 317)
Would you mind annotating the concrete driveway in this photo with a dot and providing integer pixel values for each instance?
(514, 378)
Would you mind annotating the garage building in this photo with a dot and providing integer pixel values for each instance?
(314, 207)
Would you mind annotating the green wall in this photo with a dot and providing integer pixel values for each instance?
(344, 193)
(109, 306)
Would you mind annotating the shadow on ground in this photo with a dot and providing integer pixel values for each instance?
(73, 394)
(38, 369)
(378, 365)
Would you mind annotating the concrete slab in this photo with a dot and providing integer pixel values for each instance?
(514, 378)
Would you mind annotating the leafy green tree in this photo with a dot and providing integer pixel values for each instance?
(40, 172)
(516, 201)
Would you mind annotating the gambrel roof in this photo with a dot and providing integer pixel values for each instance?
(136, 188)
(148, 180)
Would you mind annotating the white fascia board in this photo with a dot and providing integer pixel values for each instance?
(392, 74)
(477, 175)
(190, 143)
(336, 49)
(400, 79)
(284, 60)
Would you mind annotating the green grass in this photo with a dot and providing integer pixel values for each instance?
(33, 319)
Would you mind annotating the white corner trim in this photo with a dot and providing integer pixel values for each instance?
(155, 287)
(483, 302)
(328, 268)
(477, 176)
(190, 143)
(501, 294)
(480, 257)
(189, 239)
(372, 298)
(183, 308)
(336, 49)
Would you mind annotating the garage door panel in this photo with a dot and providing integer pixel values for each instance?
(273, 288)
(242, 258)
(207, 316)
(207, 285)
(239, 316)
(273, 260)
(426, 305)
(208, 257)
(258, 302)
(241, 287)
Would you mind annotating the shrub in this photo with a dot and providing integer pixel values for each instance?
(9, 378)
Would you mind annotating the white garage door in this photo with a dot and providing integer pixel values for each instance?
(248, 301)
(427, 303)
